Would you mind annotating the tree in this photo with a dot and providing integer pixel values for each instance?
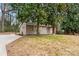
(3, 15)
(39, 15)
(54, 15)
(71, 21)
(5, 9)
(33, 11)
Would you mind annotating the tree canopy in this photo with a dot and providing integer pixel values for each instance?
(66, 15)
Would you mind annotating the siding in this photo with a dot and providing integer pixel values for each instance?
(23, 29)
(45, 30)
(31, 29)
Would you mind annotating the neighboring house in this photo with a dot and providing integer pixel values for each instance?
(30, 28)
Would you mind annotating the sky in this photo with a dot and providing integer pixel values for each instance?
(10, 13)
(0, 9)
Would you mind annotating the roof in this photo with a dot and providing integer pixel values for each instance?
(34, 24)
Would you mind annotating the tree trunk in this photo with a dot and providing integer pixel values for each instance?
(3, 15)
(10, 23)
(37, 26)
(54, 30)
(3, 22)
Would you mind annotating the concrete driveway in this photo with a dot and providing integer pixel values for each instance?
(4, 40)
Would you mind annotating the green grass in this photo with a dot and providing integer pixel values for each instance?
(45, 37)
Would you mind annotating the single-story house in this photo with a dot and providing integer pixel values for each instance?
(30, 28)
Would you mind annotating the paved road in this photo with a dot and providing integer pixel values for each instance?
(4, 40)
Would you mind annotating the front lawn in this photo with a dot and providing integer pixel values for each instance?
(51, 45)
